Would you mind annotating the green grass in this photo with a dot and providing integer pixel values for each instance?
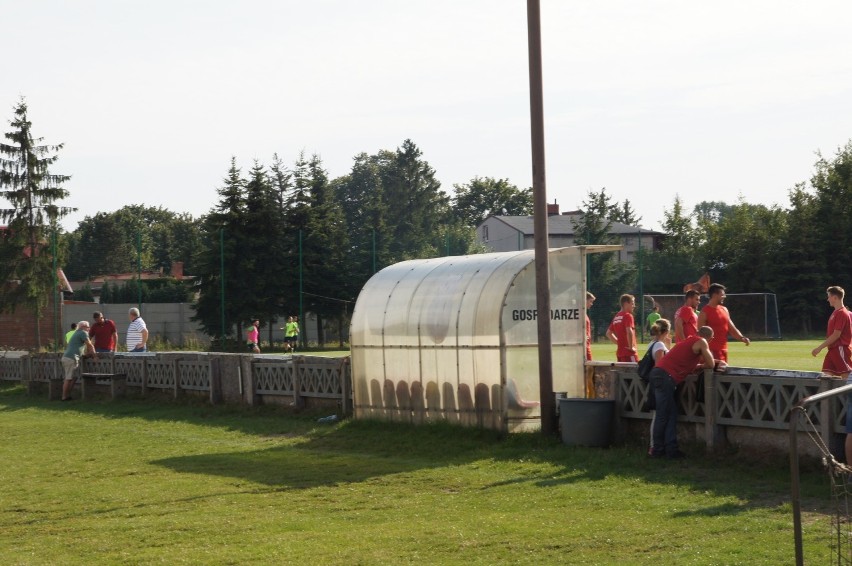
(135, 482)
(778, 354)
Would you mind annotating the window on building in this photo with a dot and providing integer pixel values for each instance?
(485, 233)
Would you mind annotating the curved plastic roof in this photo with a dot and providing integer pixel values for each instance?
(464, 323)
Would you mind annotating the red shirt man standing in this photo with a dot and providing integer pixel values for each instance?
(717, 317)
(622, 331)
(103, 333)
(686, 320)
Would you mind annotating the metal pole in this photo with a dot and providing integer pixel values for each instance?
(641, 293)
(139, 270)
(222, 282)
(374, 250)
(540, 233)
(56, 293)
(794, 483)
(302, 329)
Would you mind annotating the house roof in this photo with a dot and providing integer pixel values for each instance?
(566, 225)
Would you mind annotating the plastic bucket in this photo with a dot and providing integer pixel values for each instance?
(586, 422)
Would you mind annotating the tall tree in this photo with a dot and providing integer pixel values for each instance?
(486, 196)
(678, 261)
(624, 213)
(263, 269)
(803, 270)
(326, 251)
(361, 196)
(832, 183)
(221, 263)
(608, 278)
(742, 247)
(27, 264)
(416, 205)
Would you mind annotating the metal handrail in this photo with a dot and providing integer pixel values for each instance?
(794, 461)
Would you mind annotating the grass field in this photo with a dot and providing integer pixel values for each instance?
(133, 482)
(776, 354)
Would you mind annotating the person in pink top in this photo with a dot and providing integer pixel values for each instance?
(670, 371)
(622, 331)
(686, 319)
(253, 336)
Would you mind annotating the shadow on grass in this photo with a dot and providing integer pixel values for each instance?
(308, 454)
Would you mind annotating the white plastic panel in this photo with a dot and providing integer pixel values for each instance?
(430, 337)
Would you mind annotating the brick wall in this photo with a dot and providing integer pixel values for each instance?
(17, 329)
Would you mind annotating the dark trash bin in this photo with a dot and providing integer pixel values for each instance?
(586, 422)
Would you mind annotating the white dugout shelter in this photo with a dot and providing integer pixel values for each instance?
(455, 338)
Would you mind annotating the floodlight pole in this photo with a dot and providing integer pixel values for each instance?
(542, 272)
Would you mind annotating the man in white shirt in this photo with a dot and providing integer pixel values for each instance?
(137, 332)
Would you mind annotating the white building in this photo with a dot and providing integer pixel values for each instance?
(513, 233)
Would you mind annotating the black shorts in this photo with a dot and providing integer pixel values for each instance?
(291, 338)
(251, 346)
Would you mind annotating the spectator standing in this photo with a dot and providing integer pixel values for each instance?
(653, 316)
(589, 374)
(590, 300)
(77, 344)
(838, 358)
(622, 330)
(716, 316)
(684, 358)
(137, 332)
(686, 319)
(253, 336)
(661, 331)
(70, 333)
(103, 333)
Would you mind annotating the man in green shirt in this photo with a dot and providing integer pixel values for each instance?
(78, 343)
(70, 333)
(654, 316)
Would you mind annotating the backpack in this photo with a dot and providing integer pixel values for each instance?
(646, 364)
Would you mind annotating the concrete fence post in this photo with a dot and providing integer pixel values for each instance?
(176, 370)
(214, 373)
(346, 387)
(298, 401)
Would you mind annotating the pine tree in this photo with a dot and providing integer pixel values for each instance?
(27, 274)
(224, 241)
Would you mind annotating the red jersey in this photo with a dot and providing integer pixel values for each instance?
(681, 360)
(839, 320)
(588, 338)
(719, 320)
(690, 320)
(103, 335)
(619, 326)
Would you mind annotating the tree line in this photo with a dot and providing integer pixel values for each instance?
(282, 238)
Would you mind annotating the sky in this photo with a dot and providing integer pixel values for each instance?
(721, 101)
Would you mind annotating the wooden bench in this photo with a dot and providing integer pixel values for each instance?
(117, 384)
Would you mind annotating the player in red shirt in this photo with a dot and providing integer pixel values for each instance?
(686, 320)
(838, 337)
(684, 358)
(622, 331)
(838, 359)
(718, 318)
(589, 374)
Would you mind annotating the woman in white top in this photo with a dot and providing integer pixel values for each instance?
(659, 347)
